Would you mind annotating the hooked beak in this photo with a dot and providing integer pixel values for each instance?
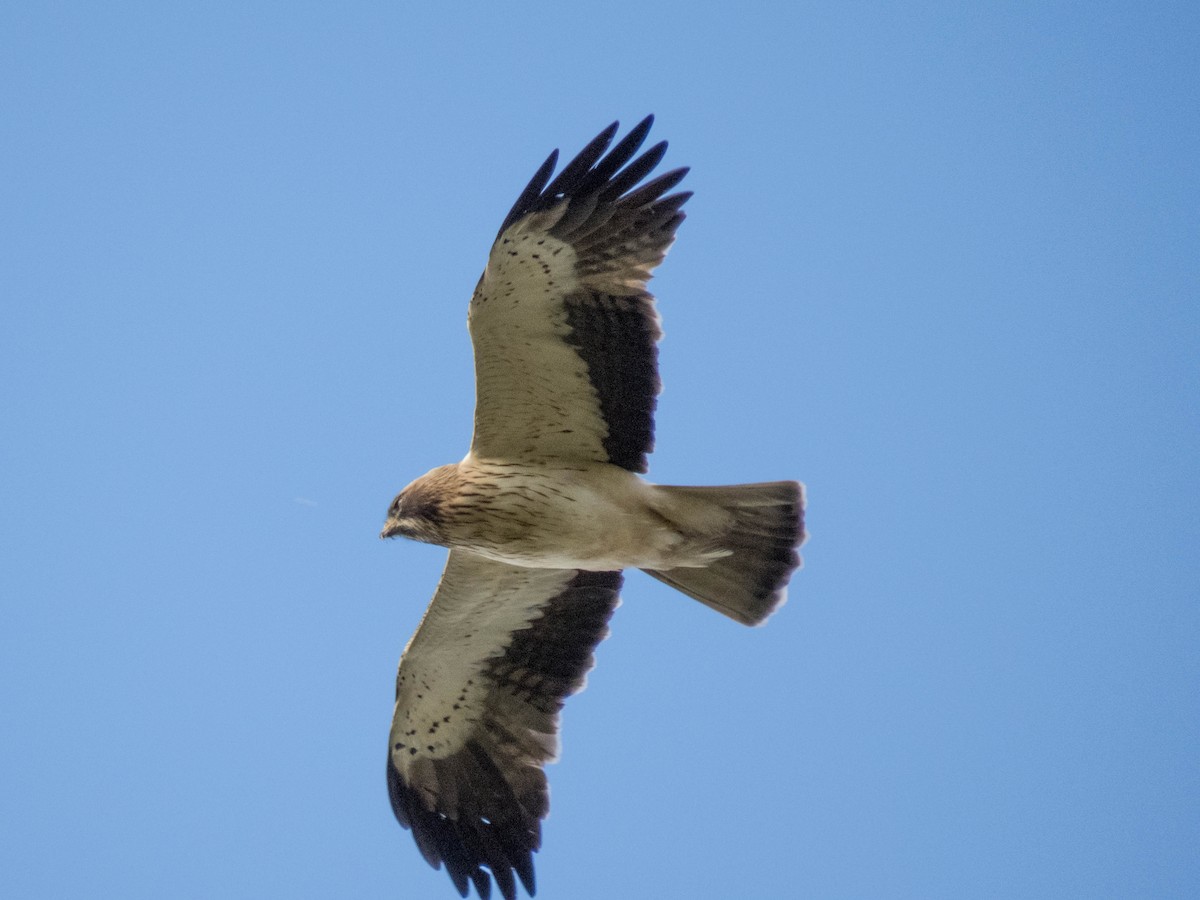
(390, 530)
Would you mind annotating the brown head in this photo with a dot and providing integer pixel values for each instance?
(418, 512)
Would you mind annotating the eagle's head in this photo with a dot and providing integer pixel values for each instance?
(418, 512)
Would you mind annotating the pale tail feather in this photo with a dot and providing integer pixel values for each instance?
(751, 582)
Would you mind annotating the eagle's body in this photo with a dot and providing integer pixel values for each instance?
(548, 507)
(592, 516)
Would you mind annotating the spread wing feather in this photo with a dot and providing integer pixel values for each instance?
(478, 696)
(564, 330)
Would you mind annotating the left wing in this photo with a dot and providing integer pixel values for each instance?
(564, 329)
(478, 696)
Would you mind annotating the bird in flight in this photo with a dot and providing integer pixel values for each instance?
(547, 509)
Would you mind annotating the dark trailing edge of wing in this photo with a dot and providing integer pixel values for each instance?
(620, 232)
(498, 823)
(617, 339)
(546, 662)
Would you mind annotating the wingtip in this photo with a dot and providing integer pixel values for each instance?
(597, 145)
(526, 874)
(642, 128)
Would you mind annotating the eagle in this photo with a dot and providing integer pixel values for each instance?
(548, 508)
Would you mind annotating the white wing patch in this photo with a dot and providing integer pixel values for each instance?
(441, 688)
(526, 372)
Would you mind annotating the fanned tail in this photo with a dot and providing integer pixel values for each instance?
(751, 582)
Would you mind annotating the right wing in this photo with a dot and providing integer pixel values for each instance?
(478, 696)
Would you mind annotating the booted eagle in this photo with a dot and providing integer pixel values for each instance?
(548, 508)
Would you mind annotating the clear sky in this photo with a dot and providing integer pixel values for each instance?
(942, 264)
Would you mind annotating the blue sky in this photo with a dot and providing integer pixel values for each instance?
(942, 265)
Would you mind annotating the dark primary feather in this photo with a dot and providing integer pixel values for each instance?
(591, 173)
(492, 792)
(537, 195)
(531, 192)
